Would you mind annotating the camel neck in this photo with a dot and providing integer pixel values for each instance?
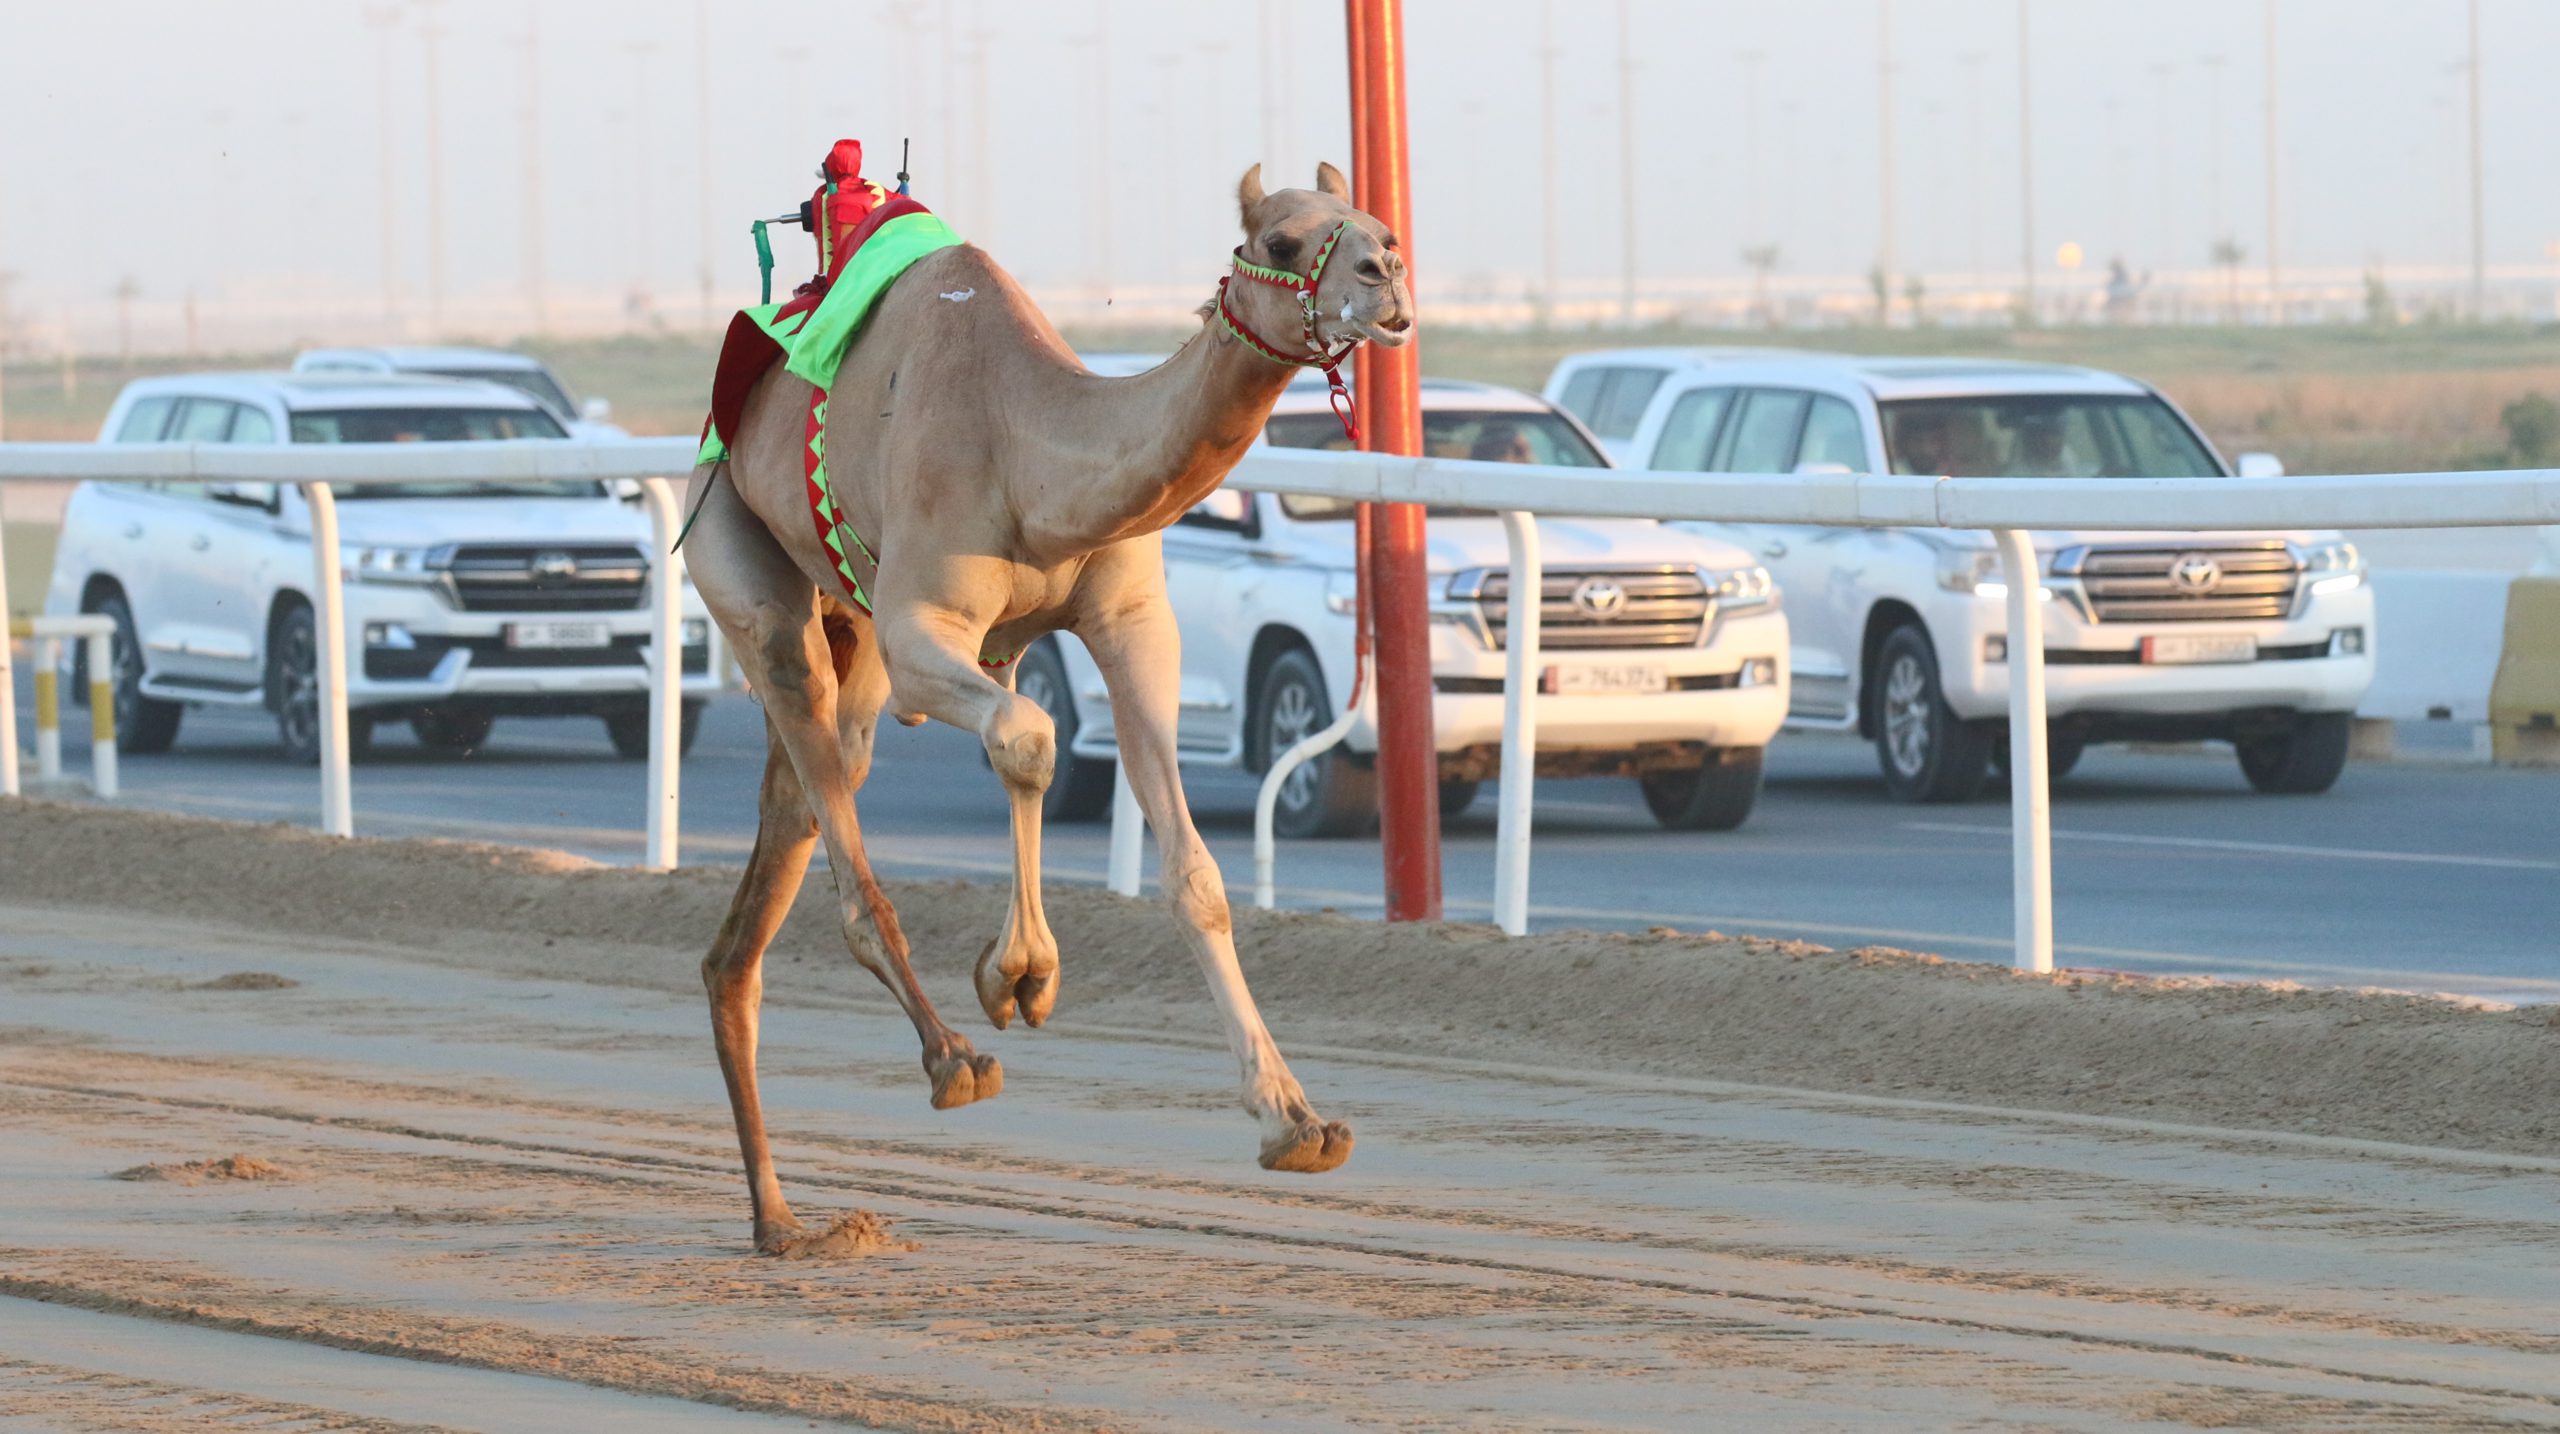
(1183, 426)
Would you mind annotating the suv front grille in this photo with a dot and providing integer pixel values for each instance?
(2185, 583)
(1654, 607)
(546, 577)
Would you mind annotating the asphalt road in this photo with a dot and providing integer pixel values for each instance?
(2421, 875)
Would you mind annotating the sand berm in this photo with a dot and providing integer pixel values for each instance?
(2410, 1068)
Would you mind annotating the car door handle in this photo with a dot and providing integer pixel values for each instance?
(133, 530)
(1774, 548)
(200, 542)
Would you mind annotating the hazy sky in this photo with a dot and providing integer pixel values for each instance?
(231, 146)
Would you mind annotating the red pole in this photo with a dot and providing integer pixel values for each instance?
(1391, 422)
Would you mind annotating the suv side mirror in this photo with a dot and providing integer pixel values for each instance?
(595, 410)
(247, 495)
(2260, 465)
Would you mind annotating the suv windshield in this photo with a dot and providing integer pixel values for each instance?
(2043, 436)
(531, 382)
(1488, 435)
(439, 425)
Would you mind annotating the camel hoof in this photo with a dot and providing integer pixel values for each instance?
(1310, 1147)
(850, 1237)
(1007, 987)
(965, 1077)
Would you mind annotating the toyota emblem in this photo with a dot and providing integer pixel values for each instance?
(1601, 599)
(2195, 573)
(555, 567)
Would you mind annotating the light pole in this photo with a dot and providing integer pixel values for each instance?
(641, 256)
(1548, 178)
(2214, 209)
(702, 150)
(432, 35)
(1885, 257)
(2275, 294)
(2026, 171)
(1973, 61)
(1626, 173)
(2479, 252)
(2160, 74)
(536, 297)
(1754, 231)
(381, 19)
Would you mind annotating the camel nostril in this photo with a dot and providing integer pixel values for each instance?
(1396, 325)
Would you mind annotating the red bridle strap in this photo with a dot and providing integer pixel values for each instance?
(1318, 355)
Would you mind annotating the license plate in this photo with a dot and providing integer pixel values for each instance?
(559, 634)
(1610, 678)
(2200, 647)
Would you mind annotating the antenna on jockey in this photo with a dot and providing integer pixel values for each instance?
(902, 164)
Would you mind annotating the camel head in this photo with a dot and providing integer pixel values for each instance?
(1362, 293)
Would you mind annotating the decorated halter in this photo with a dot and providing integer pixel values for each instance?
(1317, 356)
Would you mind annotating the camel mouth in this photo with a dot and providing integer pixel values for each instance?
(1393, 333)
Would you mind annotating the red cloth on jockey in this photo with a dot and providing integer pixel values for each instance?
(748, 350)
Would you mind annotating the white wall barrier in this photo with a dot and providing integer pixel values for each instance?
(2010, 507)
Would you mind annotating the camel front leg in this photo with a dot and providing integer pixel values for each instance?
(933, 670)
(1140, 653)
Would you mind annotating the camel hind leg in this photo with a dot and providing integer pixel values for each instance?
(733, 976)
(768, 609)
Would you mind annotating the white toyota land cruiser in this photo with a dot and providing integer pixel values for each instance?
(2263, 640)
(1664, 653)
(463, 604)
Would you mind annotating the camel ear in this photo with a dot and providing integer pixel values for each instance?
(1330, 180)
(1249, 194)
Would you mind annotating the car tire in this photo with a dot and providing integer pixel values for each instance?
(1716, 797)
(1331, 795)
(1079, 787)
(2306, 758)
(293, 683)
(144, 725)
(1456, 797)
(2061, 754)
(629, 731)
(1927, 752)
(457, 731)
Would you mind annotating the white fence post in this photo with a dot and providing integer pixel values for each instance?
(666, 672)
(48, 656)
(8, 678)
(102, 707)
(1128, 832)
(2030, 810)
(337, 802)
(1519, 724)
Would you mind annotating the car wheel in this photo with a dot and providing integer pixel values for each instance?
(1330, 795)
(1716, 797)
(1928, 753)
(1456, 797)
(2061, 754)
(293, 684)
(453, 731)
(2305, 758)
(1079, 787)
(144, 725)
(630, 731)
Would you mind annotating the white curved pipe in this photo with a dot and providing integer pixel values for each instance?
(329, 618)
(2030, 805)
(1268, 800)
(666, 672)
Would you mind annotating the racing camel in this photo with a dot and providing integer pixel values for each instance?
(1007, 492)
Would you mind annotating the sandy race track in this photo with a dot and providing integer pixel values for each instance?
(488, 1182)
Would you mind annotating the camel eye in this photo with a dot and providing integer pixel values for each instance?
(1282, 250)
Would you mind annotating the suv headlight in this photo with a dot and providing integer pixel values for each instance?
(390, 565)
(2332, 567)
(1977, 571)
(1744, 588)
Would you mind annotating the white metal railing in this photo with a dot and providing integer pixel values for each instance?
(2010, 507)
(47, 633)
(315, 467)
